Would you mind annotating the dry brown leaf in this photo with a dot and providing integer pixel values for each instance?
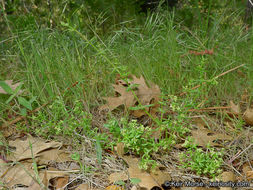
(12, 86)
(235, 108)
(52, 175)
(126, 98)
(226, 177)
(114, 187)
(248, 171)
(249, 175)
(55, 155)
(22, 174)
(204, 136)
(197, 188)
(248, 116)
(34, 186)
(148, 180)
(245, 168)
(120, 149)
(146, 95)
(60, 182)
(23, 148)
(118, 176)
(245, 96)
(83, 187)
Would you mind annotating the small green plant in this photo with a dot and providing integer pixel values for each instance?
(60, 119)
(202, 162)
(133, 181)
(142, 141)
(76, 157)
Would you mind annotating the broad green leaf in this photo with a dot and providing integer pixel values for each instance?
(14, 94)
(24, 103)
(6, 87)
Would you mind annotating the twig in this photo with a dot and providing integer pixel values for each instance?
(212, 108)
(226, 72)
(229, 71)
(21, 117)
(238, 154)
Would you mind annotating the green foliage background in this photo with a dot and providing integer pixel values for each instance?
(105, 14)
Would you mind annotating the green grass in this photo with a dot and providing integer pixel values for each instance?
(153, 50)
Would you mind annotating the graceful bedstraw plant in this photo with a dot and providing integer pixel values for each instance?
(207, 162)
(141, 140)
(61, 120)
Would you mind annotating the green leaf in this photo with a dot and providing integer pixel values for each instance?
(32, 99)
(6, 87)
(120, 182)
(23, 112)
(24, 103)
(75, 156)
(64, 24)
(141, 107)
(14, 94)
(99, 151)
(135, 181)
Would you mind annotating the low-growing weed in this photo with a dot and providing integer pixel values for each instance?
(60, 120)
(142, 139)
(202, 162)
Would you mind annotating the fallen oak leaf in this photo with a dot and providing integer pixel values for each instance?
(127, 98)
(114, 187)
(235, 108)
(83, 187)
(247, 170)
(203, 136)
(23, 149)
(59, 182)
(54, 154)
(117, 176)
(226, 177)
(147, 180)
(20, 174)
(146, 95)
(248, 116)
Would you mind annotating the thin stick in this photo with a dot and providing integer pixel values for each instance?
(214, 108)
(21, 117)
(229, 71)
(226, 72)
